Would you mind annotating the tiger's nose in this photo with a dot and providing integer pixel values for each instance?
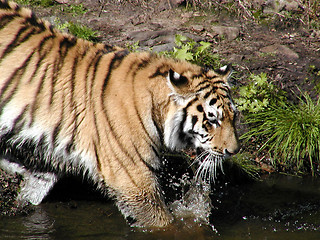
(234, 151)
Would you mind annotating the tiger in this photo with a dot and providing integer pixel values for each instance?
(73, 107)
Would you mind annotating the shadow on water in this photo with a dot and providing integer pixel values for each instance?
(278, 207)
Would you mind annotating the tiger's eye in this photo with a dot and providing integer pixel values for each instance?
(212, 101)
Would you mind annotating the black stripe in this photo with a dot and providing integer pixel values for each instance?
(107, 48)
(55, 133)
(18, 119)
(114, 63)
(142, 64)
(5, 5)
(97, 156)
(207, 95)
(224, 96)
(219, 82)
(115, 135)
(116, 140)
(143, 160)
(39, 63)
(95, 121)
(78, 120)
(23, 67)
(71, 101)
(225, 89)
(18, 41)
(191, 102)
(203, 83)
(197, 76)
(159, 130)
(158, 72)
(95, 63)
(34, 21)
(70, 147)
(6, 100)
(42, 44)
(34, 105)
(15, 41)
(6, 19)
(16, 73)
(66, 44)
(203, 88)
(182, 135)
(194, 121)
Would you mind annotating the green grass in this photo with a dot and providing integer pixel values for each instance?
(82, 31)
(244, 162)
(291, 134)
(75, 10)
(43, 3)
(77, 30)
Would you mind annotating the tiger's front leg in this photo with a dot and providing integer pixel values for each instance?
(138, 196)
(143, 208)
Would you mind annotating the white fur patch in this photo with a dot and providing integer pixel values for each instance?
(171, 131)
(35, 185)
(55, 154)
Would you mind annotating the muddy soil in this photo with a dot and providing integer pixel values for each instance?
(287, 51)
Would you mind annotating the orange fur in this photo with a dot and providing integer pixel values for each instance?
(69, 105)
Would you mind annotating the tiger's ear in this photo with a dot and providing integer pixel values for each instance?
(176, 82)
(225, 72)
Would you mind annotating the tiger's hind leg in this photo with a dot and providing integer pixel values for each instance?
(35, 185)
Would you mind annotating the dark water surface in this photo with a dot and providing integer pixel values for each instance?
(279, 207)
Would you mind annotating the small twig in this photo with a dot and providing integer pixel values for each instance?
(245, 10)
(103, 4)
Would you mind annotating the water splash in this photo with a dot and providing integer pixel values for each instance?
(187, 186)
(195, 203)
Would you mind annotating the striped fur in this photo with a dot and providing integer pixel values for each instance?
(69, 106)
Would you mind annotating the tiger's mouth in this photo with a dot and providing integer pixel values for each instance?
(193, 153)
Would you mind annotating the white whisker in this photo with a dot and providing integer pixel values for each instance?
(208, 163)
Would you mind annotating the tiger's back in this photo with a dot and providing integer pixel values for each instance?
(47, 90)
(71, 106)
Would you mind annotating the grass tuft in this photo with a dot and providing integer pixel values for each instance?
(77, 30)
(291, 133)
(43, 3)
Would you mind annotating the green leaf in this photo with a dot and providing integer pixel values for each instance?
(183, 54)
(204, 46)
(179, 39)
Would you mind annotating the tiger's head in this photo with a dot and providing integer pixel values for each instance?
(202, 117)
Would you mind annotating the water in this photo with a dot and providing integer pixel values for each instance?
(278, 207)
